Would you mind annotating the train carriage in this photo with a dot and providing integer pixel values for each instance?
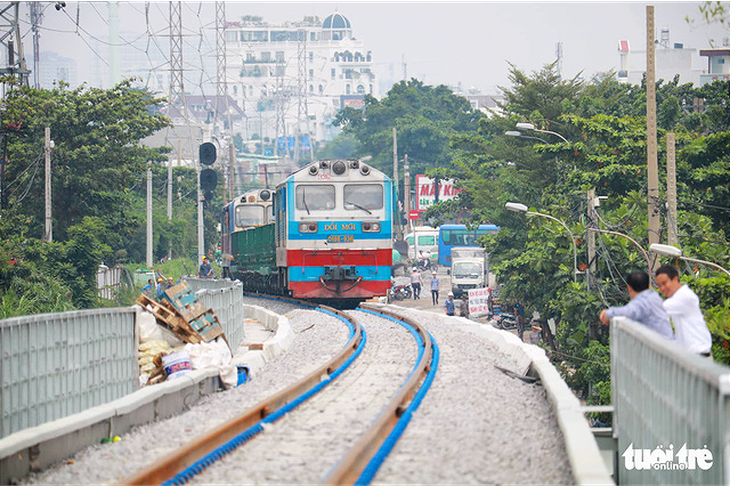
(247, 241)
(334, 231)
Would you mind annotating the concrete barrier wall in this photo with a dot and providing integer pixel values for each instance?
(39, 447)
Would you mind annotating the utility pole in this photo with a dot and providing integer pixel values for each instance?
(169, 182)
(149, 214)
(395, 183)
(35, 19)
(591, 237)
(279, 102)
(302, 113)
(231, 168)
(672, 236)
(407, 191)
(48, 235)
(114, 64)
(651, 130)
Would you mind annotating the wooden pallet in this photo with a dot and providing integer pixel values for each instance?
(184, 301)
(169, 316)
(207, 326)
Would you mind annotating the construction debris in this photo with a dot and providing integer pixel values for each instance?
(179, 312)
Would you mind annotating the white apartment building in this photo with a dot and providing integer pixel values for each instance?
(276, 71)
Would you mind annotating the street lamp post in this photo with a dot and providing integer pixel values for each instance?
(517, 133)
(672, 251)
(520, 208)
(529, 126)
(646, 256)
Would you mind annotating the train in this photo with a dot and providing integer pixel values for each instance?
(325, 233)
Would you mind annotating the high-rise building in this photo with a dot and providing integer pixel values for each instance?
(292, 79)
(55, 68)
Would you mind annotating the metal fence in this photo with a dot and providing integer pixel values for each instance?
(57, 364)
(225, 298)
(672, 410)
(108, 281)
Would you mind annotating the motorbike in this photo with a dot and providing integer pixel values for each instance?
(506, 321)
(401, 291)
(424, 265)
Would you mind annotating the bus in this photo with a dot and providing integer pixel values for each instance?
(451, 236)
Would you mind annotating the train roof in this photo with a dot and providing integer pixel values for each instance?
(334, 168)
(256, 196)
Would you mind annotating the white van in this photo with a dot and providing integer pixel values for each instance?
(423, 239)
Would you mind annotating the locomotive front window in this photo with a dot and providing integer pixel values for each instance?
(314, 197)
(271, 214)
(363, 197)
(249, 215)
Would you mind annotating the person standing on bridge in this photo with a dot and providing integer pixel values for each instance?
(149, 289)
(416, 283)
(683, 307)
(160, 289)
(645, 306)
(434, 288)
(206, 270)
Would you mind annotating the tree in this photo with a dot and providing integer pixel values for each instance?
(96, 152)
(604, 124)
(424, 117)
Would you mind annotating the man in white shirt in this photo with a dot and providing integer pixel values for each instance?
(645, 307)
(683, 307)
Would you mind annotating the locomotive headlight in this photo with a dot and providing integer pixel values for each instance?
(364, 170)
(372, 227)
(265, 194)
(339, 168)
(305, 227)
(313, 170)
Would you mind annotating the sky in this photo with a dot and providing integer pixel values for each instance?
(467, 43)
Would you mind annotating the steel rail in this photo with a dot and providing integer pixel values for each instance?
(186, 455)
(350, 468)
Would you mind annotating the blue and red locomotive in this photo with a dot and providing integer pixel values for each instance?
(331, 236)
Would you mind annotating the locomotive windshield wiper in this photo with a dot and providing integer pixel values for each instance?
(358, 206)
(304, 200)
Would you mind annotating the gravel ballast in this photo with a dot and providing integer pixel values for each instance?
(475, 426)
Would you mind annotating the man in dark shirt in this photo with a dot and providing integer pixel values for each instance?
(205, 268)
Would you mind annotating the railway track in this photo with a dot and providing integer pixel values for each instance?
(335, 431)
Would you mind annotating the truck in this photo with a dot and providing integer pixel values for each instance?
(469, 269)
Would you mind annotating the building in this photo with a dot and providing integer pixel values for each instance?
(291, 79)
(671, 59)
(487, 104)
(718, 63)
(55, 68)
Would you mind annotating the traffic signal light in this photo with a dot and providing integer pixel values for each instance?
(207, 154)
(208, 180)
